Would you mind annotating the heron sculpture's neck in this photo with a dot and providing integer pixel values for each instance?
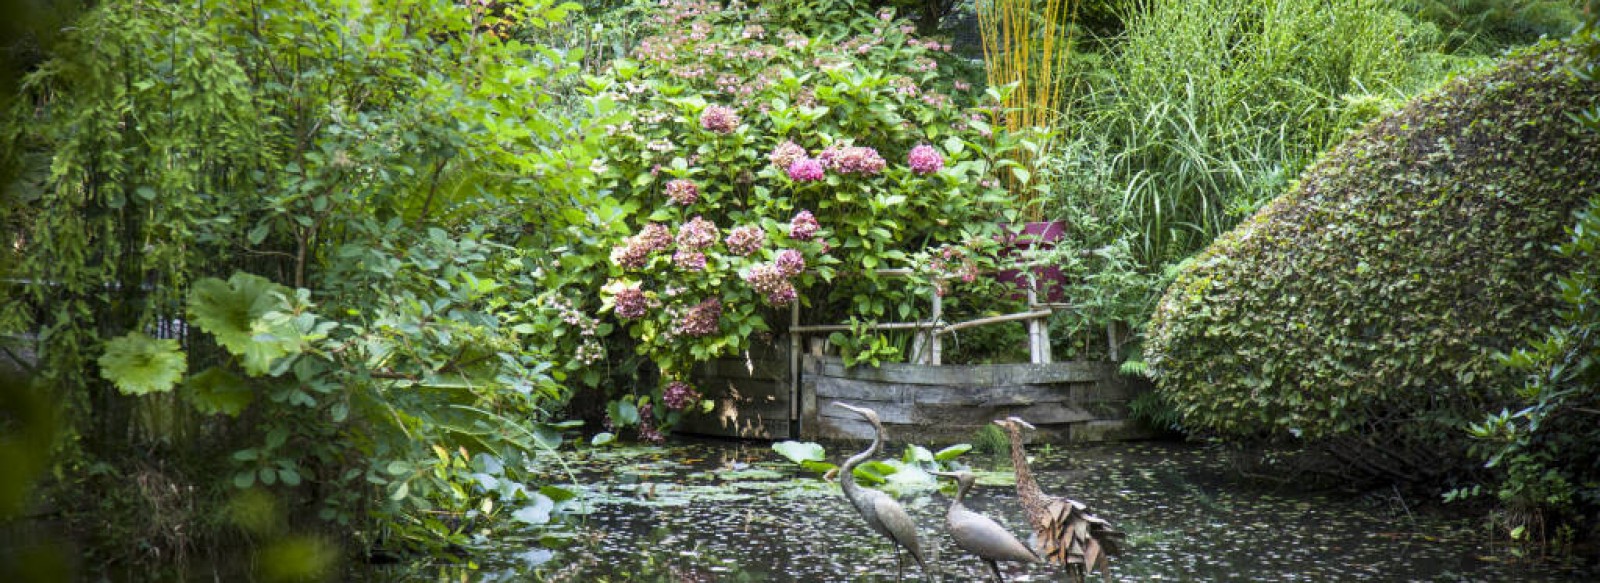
(1026, 487)
(961, 492)
(847, 476)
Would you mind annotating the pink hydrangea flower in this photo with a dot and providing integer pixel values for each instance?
(702, 319)
(679, 395)
(785, 154)
(683, 192)
(852, 160)
(790, 262)
(719, 119)
(654, 237)
(697, 234)
(689, 260)
(630, 303)
(806, 170)
(925, 160)
(766, 279)
(745, 240)
(803, 227)
(783, 295)
(629, 255)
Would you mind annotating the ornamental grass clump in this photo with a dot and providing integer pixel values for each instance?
(822, 156)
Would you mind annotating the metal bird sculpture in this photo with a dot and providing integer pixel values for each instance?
(882, 513)
(1065, 532)
(981, 535)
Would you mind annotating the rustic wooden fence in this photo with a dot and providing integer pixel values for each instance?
(778, 391)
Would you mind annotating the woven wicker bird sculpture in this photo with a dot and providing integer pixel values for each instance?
(1065, 533)
(981, 535)
(882, 513)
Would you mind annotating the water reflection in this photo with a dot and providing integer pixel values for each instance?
(725, 511)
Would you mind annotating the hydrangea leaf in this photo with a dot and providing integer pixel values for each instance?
(219, 391)
(236, 313)
(139, 364)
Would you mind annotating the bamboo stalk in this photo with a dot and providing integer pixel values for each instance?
(995, 320)
(1034, 354)
(1014, 53)
(868, 328)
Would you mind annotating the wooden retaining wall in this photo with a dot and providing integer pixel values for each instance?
(752, 395)
(1067, 401)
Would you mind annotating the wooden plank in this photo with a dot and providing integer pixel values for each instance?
(852, 389)
(984, 374)
(851, 429)
(888, 412)
(1116, 388)
(748, 391)
(1053, 413)
(740, 369)
(1051, 372)
(743, 427)
(745, 388)
(808, 404)
(910, 374)
(990, 396)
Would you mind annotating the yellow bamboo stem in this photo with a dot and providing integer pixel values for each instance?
(1014, 54)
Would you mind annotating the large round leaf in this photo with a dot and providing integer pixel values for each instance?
(218, 391)
(139, 364)
(235, 312)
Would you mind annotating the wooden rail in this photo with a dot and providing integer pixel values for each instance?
(928, 346)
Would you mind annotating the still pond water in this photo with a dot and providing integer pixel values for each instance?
(696, 511)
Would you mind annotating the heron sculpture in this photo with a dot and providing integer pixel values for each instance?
(882, 513)
(981, 535)
(1065, 532)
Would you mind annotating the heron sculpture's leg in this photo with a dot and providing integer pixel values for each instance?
(899, 563)
(995, 567)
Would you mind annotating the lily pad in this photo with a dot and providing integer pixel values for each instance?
(800, 452)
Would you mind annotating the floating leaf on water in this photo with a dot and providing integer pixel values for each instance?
(537, 511)
(952, 452)
(557, 494)
(818, 467)
(800, 452)
(916, 453)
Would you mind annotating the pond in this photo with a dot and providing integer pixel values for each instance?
(729, 511)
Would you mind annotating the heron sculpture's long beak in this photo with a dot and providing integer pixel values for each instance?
(1019, 421)
(944, 474)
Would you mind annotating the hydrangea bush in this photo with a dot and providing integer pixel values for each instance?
(755, 161)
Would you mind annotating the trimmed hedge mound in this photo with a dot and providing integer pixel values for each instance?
(1364, 307)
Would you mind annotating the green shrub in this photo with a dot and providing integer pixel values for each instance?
(1543, 450)
(1364, 308)
(267, 261)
